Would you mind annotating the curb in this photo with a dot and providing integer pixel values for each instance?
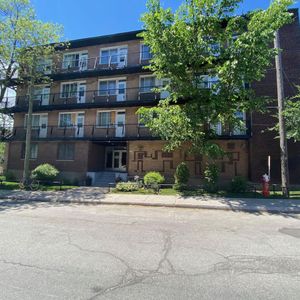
(274, 210)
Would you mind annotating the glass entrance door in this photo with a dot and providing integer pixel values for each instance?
(116, 160)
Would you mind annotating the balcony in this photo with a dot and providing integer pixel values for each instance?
(113, 132)
(83, 63)
(117, 97)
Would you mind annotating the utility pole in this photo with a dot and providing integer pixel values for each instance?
(282, 129)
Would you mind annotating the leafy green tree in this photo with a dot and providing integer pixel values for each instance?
(292, 118)
(25, 42)
(208, 53)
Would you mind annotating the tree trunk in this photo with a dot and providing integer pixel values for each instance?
(26, 171)
(282, 128)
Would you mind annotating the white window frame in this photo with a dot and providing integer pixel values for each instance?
(111, 125)
(65, 113)
(141, 53)
(70, 82)
(73, 53)
(147, 76)
(110, 48)
(117, 79)
(34, 114)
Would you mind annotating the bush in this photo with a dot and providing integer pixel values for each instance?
(238, 185)
(211, 178)
(153, 178)
(182, 176)
(44, 172)
(127, 186)
(10, 176)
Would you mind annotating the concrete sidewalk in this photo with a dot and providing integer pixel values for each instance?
(101, 196)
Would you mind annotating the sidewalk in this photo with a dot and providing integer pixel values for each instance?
(101, 196)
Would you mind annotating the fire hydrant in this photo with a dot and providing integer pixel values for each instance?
(266, 185)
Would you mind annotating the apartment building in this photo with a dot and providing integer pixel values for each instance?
(85, 121)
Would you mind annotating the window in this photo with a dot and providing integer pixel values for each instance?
(69, 90)
(41, 92)
(104, 119)
(147, 84)
(44, 66)
(206, 81)
(66, 119)
(107, 88)
(66, 151)
(241, 128)
(109, 56)
(35, 121)
(33, 151)
(145, 52)
(71, 60)
(113, 56)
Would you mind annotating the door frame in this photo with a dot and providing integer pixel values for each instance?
(120, 151)
(123, 112)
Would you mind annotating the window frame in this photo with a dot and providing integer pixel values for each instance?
(119, 47)
(58, 151)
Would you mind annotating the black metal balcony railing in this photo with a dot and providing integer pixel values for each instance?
(116, 95)
(103, 62)
(97, 132)
(87, 132)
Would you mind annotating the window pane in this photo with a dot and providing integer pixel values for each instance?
(66, 151)
(146, 54)
(113, 55)
(112, 87)
(65, 120)
(103, 88)
(104, 57)
(104, 119)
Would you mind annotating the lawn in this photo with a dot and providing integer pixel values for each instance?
(200, 192)
(12, 185)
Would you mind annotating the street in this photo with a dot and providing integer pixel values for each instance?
(69, 251)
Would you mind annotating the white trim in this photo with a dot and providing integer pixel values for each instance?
(108, 110)
(68, 112)
(141, 52)
(69, 82)
(75, 52)
(114, 47)
(113, 78)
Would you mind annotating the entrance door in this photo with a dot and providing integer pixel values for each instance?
(83, 62)
(122, 60)
(81, 93)
(46, 95)
(43, 126)
(121, 96)
(79, 129)
(120, 124)
(116, 160)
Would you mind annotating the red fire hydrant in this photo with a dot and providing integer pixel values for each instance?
(266, 185)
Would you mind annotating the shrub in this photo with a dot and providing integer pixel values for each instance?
(182, 175)
(211, 178)
(238, 185)
(10, 176)
(44, 172)
(153, 178)
(127, 186)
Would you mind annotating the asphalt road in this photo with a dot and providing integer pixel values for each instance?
(50, 251)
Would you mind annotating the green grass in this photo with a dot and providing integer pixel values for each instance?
(200, 192)
(10, 185)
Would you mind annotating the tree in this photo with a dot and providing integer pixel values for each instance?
(25, 42)
(292, 117)
(205, 44)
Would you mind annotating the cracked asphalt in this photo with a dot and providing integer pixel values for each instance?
(68, 251)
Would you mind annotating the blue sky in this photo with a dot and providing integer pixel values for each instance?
(99, 17)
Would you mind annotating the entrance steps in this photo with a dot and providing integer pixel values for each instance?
(103, 179)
